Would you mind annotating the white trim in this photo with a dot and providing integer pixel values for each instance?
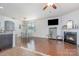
(14, 41)
(34, 51)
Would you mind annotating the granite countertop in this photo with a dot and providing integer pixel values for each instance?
(6, 33)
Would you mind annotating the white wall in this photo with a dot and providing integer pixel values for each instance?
(74, 16)
(42, 28)
(17, 22)
(42, 24)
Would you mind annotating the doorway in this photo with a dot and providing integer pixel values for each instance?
(53, 32)
(9, 26)
(28, 29)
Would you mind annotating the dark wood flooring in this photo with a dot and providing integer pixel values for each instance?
(49, 47)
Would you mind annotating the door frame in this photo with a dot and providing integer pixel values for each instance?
(50, 32)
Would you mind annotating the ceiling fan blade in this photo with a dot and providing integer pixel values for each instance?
(45, 7)
(54, 6)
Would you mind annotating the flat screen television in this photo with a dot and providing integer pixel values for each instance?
(52, 22)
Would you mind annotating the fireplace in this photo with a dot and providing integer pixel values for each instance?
(70, 37)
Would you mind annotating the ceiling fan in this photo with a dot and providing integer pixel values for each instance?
(50, 5)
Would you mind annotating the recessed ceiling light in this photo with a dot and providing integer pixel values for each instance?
(1, 7)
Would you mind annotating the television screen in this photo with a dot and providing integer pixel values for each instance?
(53, 22)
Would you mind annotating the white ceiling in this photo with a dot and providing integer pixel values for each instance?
(34, 10)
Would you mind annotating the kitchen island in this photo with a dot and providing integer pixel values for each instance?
(7, 40)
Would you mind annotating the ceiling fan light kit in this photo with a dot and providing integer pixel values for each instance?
(50, 5)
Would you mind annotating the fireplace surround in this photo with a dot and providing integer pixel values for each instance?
(70, 37)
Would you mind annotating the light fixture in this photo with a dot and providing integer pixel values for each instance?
(1, 7)
(29, 18)
(49, 4)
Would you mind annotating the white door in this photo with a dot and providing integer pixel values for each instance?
(53, 32)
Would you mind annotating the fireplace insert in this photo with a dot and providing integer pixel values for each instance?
(70, 37)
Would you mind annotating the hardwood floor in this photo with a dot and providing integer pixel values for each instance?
(49, 47)
(20, 51)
